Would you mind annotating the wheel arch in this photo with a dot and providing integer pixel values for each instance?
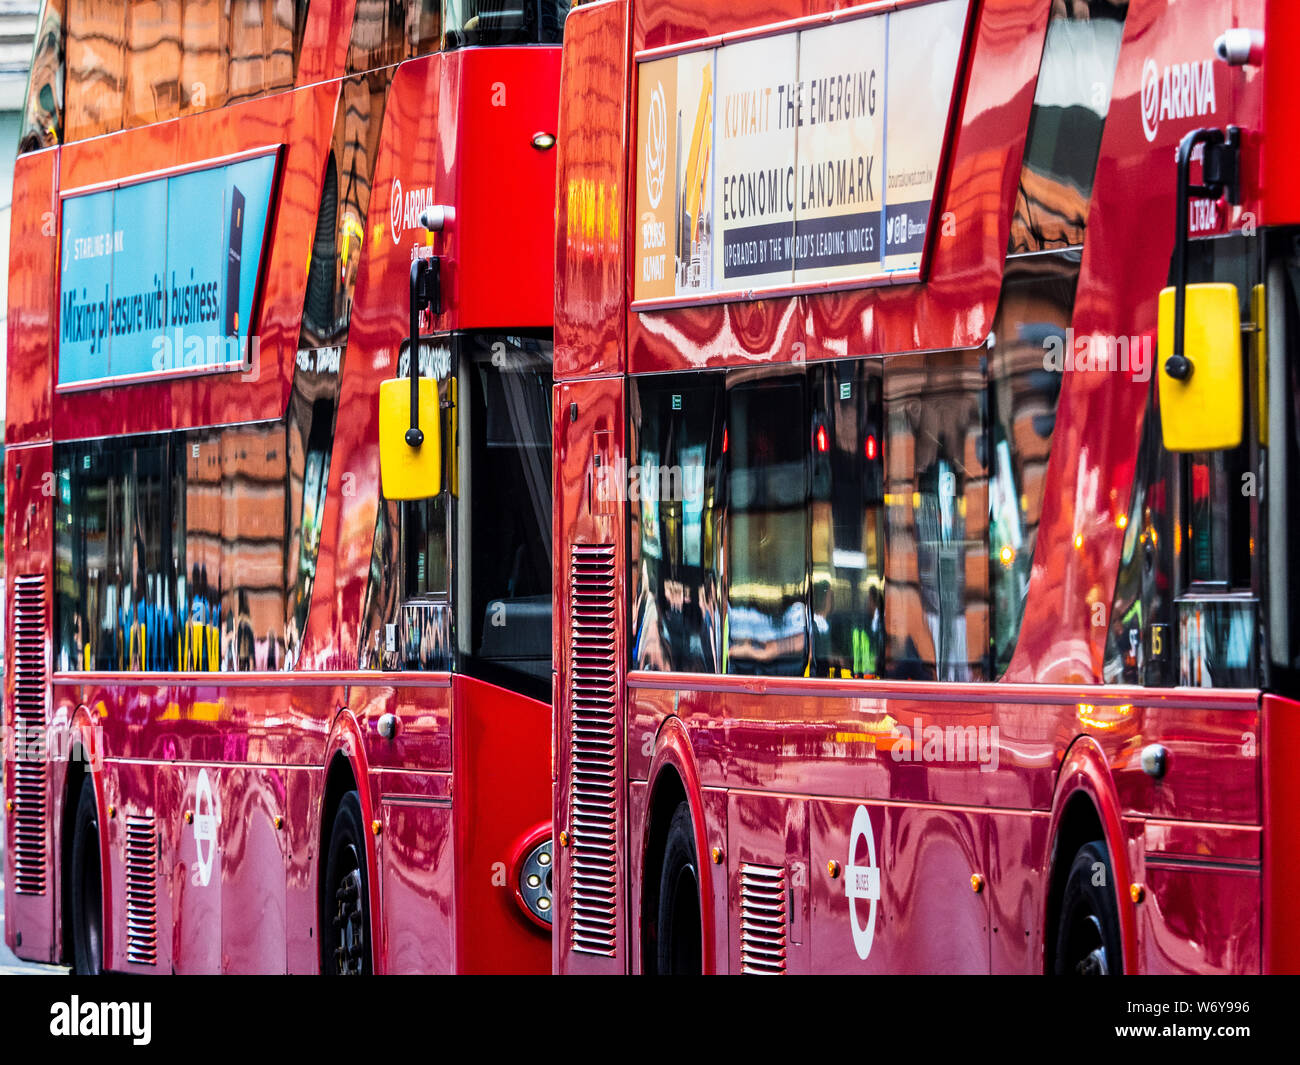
(1085, 808)
(673, 780)
(346, 769)
(85, 759)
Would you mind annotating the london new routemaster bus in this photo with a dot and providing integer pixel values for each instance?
(262, 714)
(925, 459)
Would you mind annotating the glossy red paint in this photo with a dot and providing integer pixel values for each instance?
(502, 792)
(783, 768)
(674, 765)
(1281, 931)
(439, 108)
(590, 190)
(589, 423)
(463, 782)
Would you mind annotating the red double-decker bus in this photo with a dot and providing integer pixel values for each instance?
(925, 470)
(260, 714)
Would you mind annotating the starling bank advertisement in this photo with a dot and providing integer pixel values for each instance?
(158, 277)
(797, 157)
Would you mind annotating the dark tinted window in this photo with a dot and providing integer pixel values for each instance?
(847, 516)
(504, 488)
(767, 530)
(673, 490)
(469, 22)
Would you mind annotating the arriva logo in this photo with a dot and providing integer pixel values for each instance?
(404, 210)
(1182, 90)
(656, 146)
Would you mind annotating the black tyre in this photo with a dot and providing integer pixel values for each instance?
(86, 887)
(678, 945)
(1087, 937)
(345, 941)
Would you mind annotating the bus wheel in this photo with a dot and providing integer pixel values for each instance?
(1087, 938)
(679, 939)
(87, 887)
(347, 899)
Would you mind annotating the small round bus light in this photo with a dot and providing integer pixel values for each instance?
(533, 879)
(278, 821)
(1137, 892)
(833, 867)
(717, 855)
(543, 141)
(112, 812)
(189, 817)
(976, 883)
(564, 839)
(376, 827)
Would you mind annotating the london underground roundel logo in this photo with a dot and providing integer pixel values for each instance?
(862, 883)
(1150, 99)
(395, 211)
(205, 829)
(656, 145)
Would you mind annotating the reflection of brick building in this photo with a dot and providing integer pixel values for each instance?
(153, 60)
(936, 559)
(236, 529)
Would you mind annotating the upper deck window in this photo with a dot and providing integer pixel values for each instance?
(1070, 107)
(132, 64)
(469, 22)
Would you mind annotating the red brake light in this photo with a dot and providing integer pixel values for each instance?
(871, 448)
(823, 444)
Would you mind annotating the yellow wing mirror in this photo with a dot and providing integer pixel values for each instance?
(410, 420)
(1201, 404)
(409, 471)
(1201, 401)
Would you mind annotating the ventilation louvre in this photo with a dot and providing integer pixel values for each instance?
(592, 751)
(141, 891)
(762, 920)
(30, 723)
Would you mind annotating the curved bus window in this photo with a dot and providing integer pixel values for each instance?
(43, 118)
(385, 32)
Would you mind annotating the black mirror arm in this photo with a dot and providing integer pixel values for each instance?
(1221, 174)
(424, 293)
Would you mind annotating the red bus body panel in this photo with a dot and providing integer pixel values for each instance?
(452, 800)
(773, 769)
